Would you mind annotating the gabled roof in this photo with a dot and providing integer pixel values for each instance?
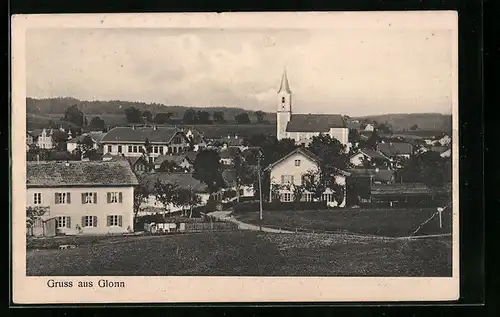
(382, 175)
(372, 154)
(95, 136)
(177, 159)
(183, 180)
(313, 157)
(132, 160)
(140, 134)
(79, 173)
(395, 148)
(314, 122)
(36, 132)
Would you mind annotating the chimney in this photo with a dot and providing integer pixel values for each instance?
(133, 127)
(154, 127)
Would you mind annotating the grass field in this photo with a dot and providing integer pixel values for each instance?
(389, 222)
(245, 253)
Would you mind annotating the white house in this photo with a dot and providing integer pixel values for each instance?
(183, 180)
(302, 127)
(369, 127)
(445, 140)
(92, 197)
(96, 138)
(196, 139)
(375, 158)
(42, 138)
(289, 170)
(130, 141)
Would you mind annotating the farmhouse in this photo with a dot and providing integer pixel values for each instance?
(93, 197)
(183, 180)
(288, 172)
(369, 157)
(302, 127)
(96, 138)
(130, 141)
(396, 151)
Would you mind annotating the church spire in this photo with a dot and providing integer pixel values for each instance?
(284, 84)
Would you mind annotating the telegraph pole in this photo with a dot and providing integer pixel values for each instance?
(260, 192)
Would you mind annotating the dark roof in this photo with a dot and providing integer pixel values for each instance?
(405, 189)
(395, 148)
(140, 134)
(191, 155)
(36, 132)
(79, 173)
(229, 152)
(95, 136)
(439, 149)
(353, 125)
(315, 122)
(132, 160)
(373, 154)
(177, 159)
(383, 175)
(183, 180)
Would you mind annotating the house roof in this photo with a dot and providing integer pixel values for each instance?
(140, 134)
(191, 155)
(382, 175)
(229, 152)
(315, 122)
(95, 136)
(439, 149)
(79, 173)
(132, 160)
(394, 148)
(405, 189)
(300, 150)
(372, 154)
(183, 180)
(177, 159)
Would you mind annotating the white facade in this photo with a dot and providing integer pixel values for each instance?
(369, 127)
(289, 172)
(86, 210)
(44, 140)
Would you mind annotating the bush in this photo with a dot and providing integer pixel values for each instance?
(253, 206)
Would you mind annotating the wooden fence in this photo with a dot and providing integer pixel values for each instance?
(198, 226)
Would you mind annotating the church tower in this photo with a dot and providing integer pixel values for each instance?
(284, 109)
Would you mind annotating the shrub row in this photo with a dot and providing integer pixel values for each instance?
(253, 206)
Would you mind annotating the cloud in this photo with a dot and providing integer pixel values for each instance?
(353, 71)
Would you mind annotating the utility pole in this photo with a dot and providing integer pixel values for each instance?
(260, 192)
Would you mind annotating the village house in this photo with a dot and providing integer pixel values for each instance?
(42, 138)
(230, 180)
(369, 127)
(396, 151)
(196, 139)
(180, 162)
(289, 171)
(92, 197)
(369, 157)
(130, 141)
(183, 180)
(96, 138)
(302, 127)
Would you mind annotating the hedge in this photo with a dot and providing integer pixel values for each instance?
(253, 206)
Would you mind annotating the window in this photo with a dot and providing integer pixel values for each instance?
(282, 99)
(297, 162)
(115, 221)
(63, 198)
(307, 196)
(155, 149)
(161, 150)
(130, 148)
(169, 149)
(139, 167)
(115, 198)
(287, 197)
(63, 222)
(327, 197)
(89, 198)
(135, 149)
(241, 191)
(110, 148)
(37, 198)
(286, 179)
(119, 148)
(89, 221)
(151, 159)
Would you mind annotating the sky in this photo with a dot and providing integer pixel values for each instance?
(348, 71)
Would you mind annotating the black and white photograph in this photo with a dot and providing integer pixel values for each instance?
(301, 150)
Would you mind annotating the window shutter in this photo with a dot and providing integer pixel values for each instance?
(108, 197)
(83, 221)
(68, 196)
(120, 197)
(95, 198)
(120, 221)
(108, 221)
(95, 221)
(83, 198)
(68, 222)
(56, 198)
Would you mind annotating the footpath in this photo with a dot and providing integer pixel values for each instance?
(225, 215)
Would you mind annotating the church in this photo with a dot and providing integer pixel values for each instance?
(302, 127)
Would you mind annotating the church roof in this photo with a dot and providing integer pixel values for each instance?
(284, 84)
(315, 122)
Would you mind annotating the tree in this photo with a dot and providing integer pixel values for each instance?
(133, 115)
(147, 116)
(273, 149)
(219, 117)
(85, 147)
(314, 182)
(203, 117)
(74, 115)
(354, 136)
(97, 123)
(384, 128)
(260, 116)
(32, 213)
(166, 193)
(146, 152)
(414, 127)
(187, 197)
(162, 117)
(60, 138)
(432, 170)
(373, 140)
(169, 167)
(331, 152)
(189, 117)
(242, 118)
(141, 194)
(244, 174)
(208, 169)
